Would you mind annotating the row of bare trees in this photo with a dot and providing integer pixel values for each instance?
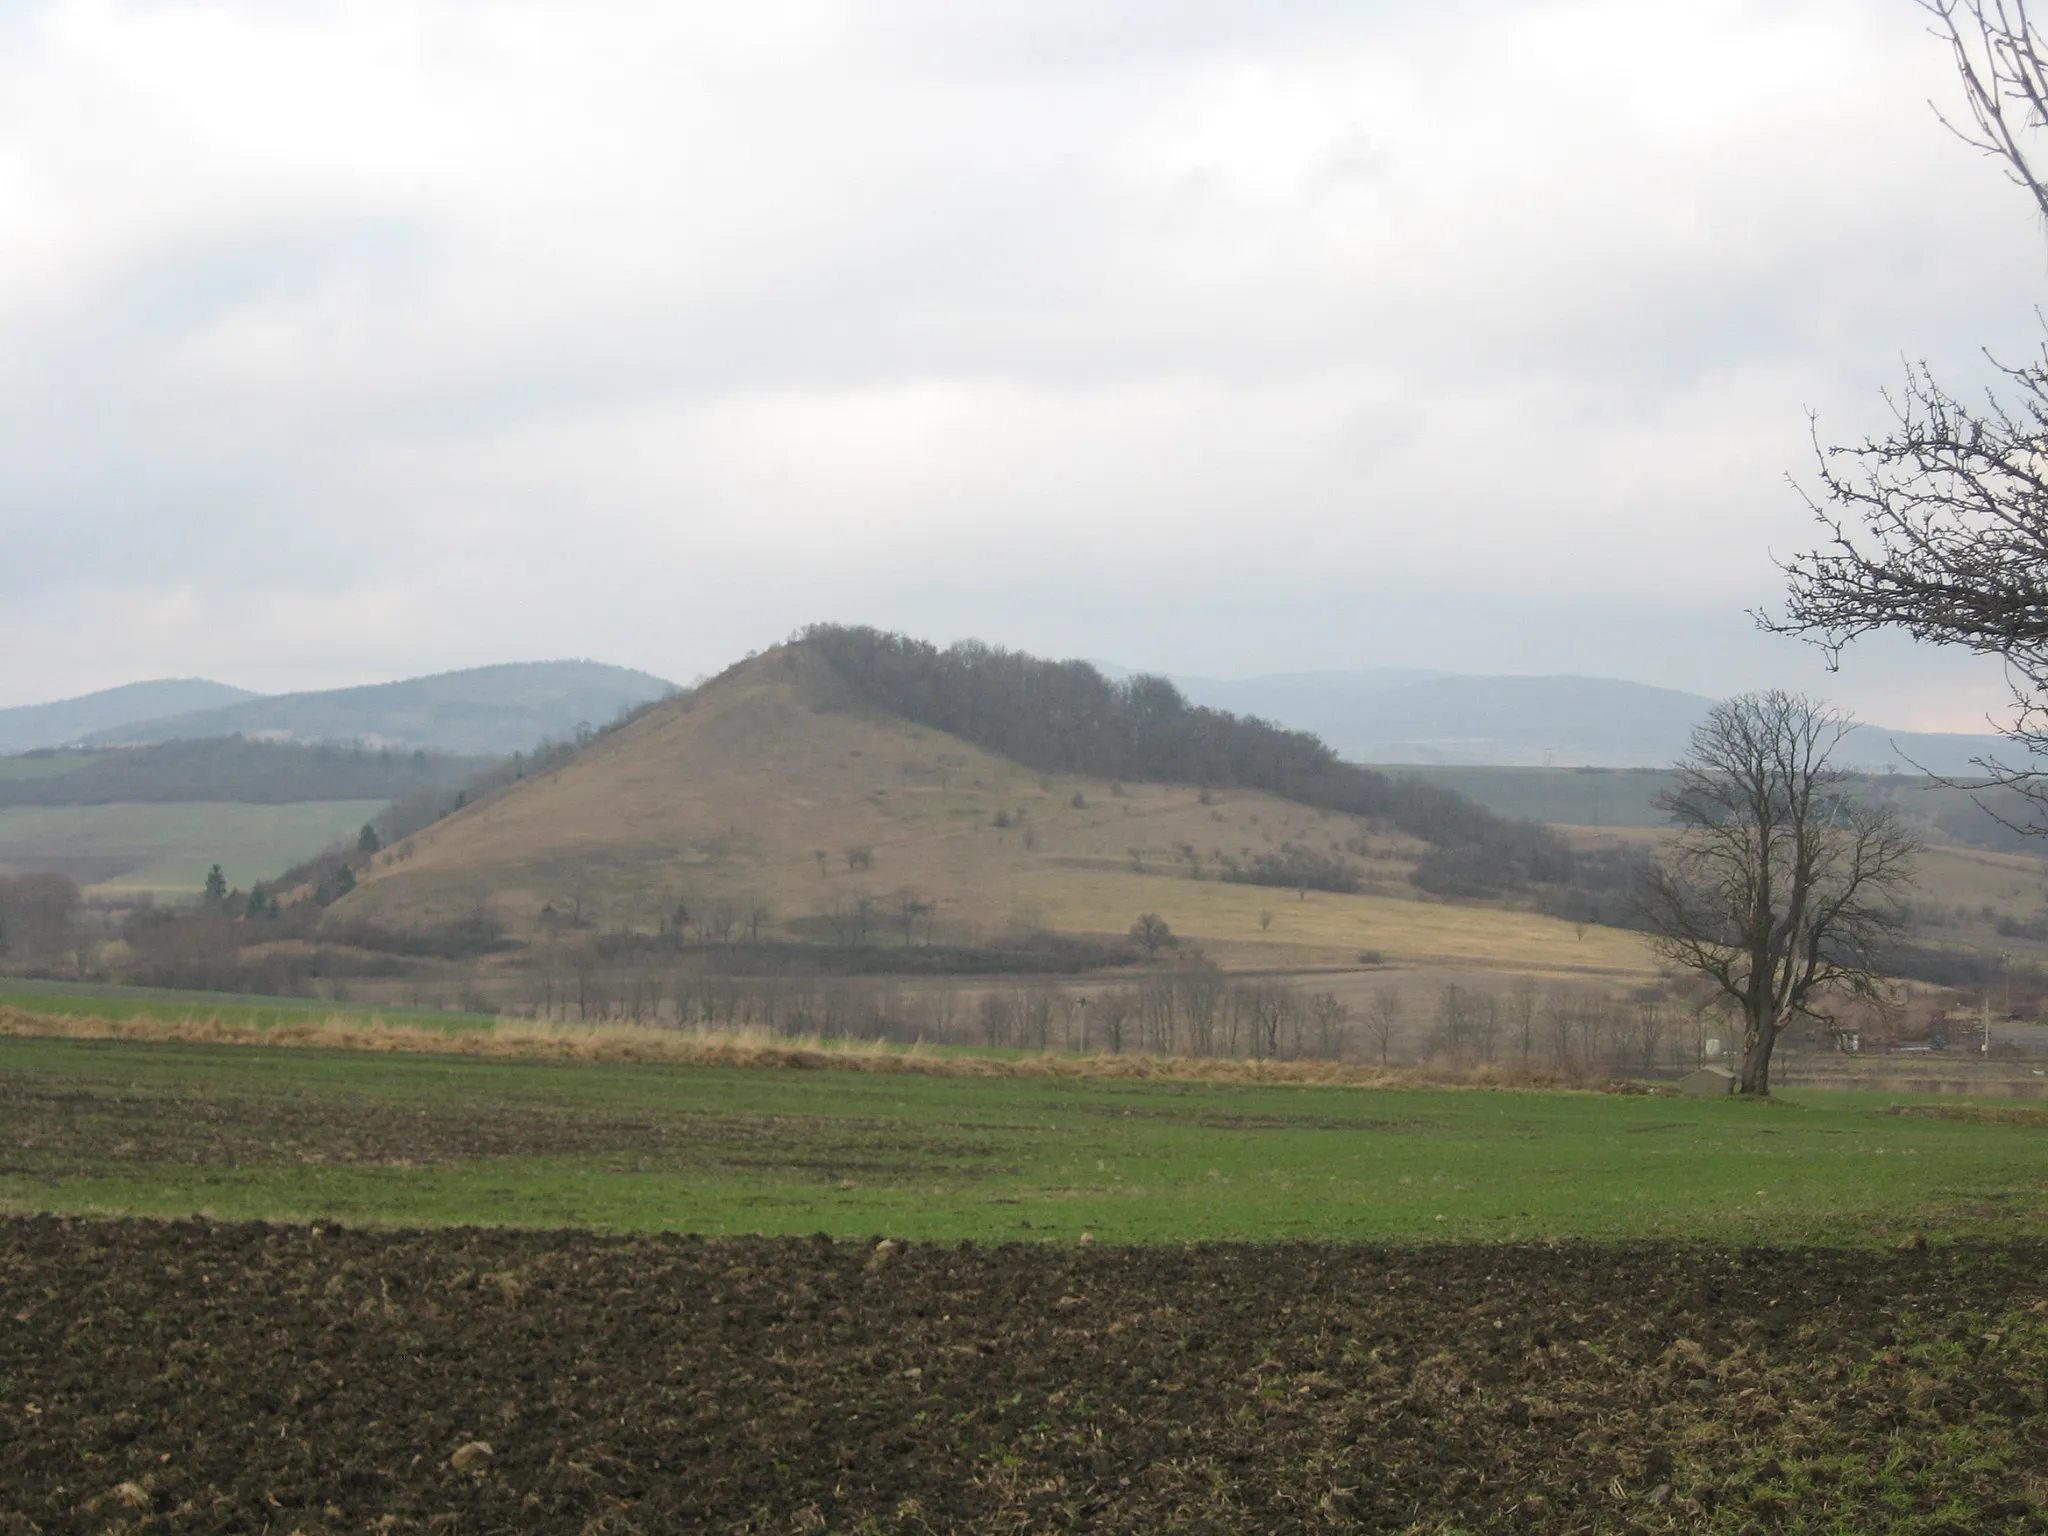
(1189, 1011)
(831, 1007)
(1647, 1033)
(1192, 1010)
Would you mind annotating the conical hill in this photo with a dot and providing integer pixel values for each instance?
(774, 797)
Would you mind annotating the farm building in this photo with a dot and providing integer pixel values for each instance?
(1708, 1082)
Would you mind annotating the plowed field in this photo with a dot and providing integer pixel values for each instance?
(198, 1377)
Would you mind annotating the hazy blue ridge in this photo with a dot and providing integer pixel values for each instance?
(1323, 695)
(28, 727)
(1532, 721)
(483, 711)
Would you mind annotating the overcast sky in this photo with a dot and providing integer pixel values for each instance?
(349, 341)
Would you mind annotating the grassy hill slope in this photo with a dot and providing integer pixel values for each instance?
(754, 791)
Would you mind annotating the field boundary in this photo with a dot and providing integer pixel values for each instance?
(520, 1039)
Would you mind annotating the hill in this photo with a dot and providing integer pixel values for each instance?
(30, 726)
(231, 770)
(1598, 722)
(483, 711)
(781, 797)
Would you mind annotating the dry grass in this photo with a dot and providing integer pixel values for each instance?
(1323, 928)
(518, 1039)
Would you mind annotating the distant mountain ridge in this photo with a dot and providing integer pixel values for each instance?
(64, 722)
(481, 711)
(1509, 721)
(1384, 715)
(233, 770)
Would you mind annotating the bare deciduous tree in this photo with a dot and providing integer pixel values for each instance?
(995, 1016)
(1522, 1010)
(1940, 528)
(1561, 1018)
(1331, 1018)
(1200, 988)
(907, 907)
(1271, 1008)
(1485, 1017)
(1384, 1018)
(1453, 1022)
(1781, 887)
(716, 919)
(1153, 934)
(2005, 81)
(1036, 1005)
(1113, 1010)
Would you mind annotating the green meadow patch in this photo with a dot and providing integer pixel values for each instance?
(165, 849)
(128, 1127)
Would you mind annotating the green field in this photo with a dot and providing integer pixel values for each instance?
(238, 1132)
(166, 849)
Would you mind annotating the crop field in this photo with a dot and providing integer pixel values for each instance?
(237, 1132)
(88, 1000)
(432, 1292)
(165, 850)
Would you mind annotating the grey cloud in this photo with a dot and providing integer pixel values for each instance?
(1232, 409)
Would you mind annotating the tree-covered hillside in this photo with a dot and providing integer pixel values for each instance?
(1066, 717)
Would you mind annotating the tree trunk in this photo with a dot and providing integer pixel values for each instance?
(1756, 1060)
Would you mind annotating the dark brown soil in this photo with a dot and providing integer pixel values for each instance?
(192, 1377)
(45, 1129)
